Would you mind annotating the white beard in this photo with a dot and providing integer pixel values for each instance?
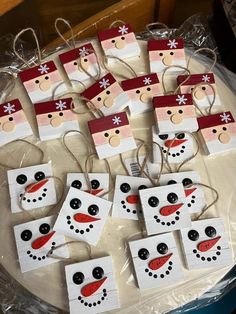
(129, 51)
(158, 66)
(213, 147)
(22, 130)
(137, 107)
(120, 102)
(188, 124)
(82, 76)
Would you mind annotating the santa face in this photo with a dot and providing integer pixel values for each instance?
(126, 203)
(54, 118)
(156, 261)
(99, 183)
(13, 122)
(91, 286)
(195, 199)
(119, 42)
(112, 135)
(180, 147)
(206, 244)
(164, 208)
(31, 187)
(34, 240)
(82, 216)
(164, 53)
(40, 81)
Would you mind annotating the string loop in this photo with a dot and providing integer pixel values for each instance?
(163, 78)
(105, 64)
(211, 102)
(119, 22)
(204, 49)
(153, 25)
(67, 23)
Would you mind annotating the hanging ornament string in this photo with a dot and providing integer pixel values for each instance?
(211, 102)
(116, 23)
(151, 26)
(67, 93)
(91, 107)
(72, 38)
(37, 45)
(163, 78)
(105, 64)
(98, 76)
(207, 50)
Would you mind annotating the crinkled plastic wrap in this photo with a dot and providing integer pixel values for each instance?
(19, 292)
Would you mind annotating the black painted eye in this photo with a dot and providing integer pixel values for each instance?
(171, 182)
(171, 53)
(172, 198)
(148, 89)
(44, 228)
(95, 184)
(46, 77)
(98, 273)
(210, 232)
(153, 201)
(99, 99)
(125, 187)
(137, 91)
(39, 176)
(187, 182)
(143, 254)
(224, 128)
(76, 184)
(106, 134)
(180, 136)
(160, 54)
(169, 112)
(93, 210)
(214, 131)
(117, 132)
(108, 92)
(49, 116)
(75, 203)
(61, 114)
(78, 278)
(163, 136)
(26, 235)
(21, 179)
(203, 88)
(113, 41)
(180, 111)
(162, 248)
(37, 81)
(11, 119)
(85, 60)
(75, 63)
(142, 187)
(123, 38)
(193, 235)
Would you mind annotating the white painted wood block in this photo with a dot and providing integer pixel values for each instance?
(206, 244)
(91, 286)
(156, 261)
(34, 240)
(82, 216)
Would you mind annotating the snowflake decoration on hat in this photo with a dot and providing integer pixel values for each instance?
(123, 30)
(147, 80)
(9, 108)
(225, 117)
(104, 83)
(61, 105)
(43, 69)
(83, 52)
(181, 99)
(205, 78)
(172, 43)
(116, 120)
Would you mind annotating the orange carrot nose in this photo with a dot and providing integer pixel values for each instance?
(132, 199)
(34, 187)
(92, 287)
(189, 191)
(94, 192)
(205, 246)
(174, 143)
(38, 243)
(158, 262)
(83, 218)
(170, 209)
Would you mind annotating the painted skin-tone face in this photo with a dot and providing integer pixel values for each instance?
(9, 123)
(167, 57)
(43, 83)
(81, 63)
(119, 42)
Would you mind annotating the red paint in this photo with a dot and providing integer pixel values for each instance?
(38, 243)
(158, 262)
(83, 218)
(173, 143)
(189, 191)
(92, 287)
(170, 209)
(132, 199)
(34, 187)
(94, 192)
(205, 246)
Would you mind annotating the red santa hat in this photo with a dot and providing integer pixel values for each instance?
(42, 69)
(113, 121)
(195, 79)
(165, 44)
(53, 106)
(115, 32)
(141, 81)
(215, 119)
(98, 87)
(76, 53)
(172, 100)
(10, 107)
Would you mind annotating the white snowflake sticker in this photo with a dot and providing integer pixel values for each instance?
(205, 78)
(116, 120)
(225, 117)
(123, 29)
(9, 108)
(181, 99)
(43, 69)
(61, 105)
(104, 83)
(147, 80)
(172, 43)
(83, 52)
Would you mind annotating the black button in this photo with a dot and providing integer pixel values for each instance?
(75, 203)
(61, 114)
(153, 201)
(95, 184)
(125, 187)
(172, 198)
(210, 232)
(187, 181)
(39, 176)
(49, 116)
(11, 119)
(142, 187)
(171, 182)
(78, 278)
(21, 179)
(163, 136)
(26, 235)
(98, 273)
(162, 248)
(93, 210)
(44, 228)
(180, 136)
(76, 184)
(193, 235)
(143, 254)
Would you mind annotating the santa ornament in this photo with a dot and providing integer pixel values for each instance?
(175, 113)
(218, 132)
(112, 135)
(164, 53)
(13, 122)
(34, 240)
(140, 90)
(91, 286)
(206, 244)
(55, 117)
(156, 261)
(119, 42)
(106, 95)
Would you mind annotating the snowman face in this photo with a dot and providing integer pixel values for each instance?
(126, 203)
(194, 195)
(164, 208)
(180, 148)
(34, 240)
(82, 216)
(156, 261)
(91, 286)
(205, 244)
(31, 187)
